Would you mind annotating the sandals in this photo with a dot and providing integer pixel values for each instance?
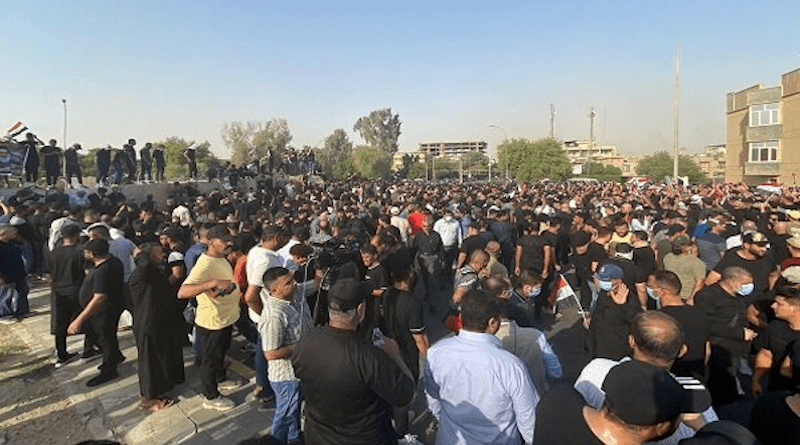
(153, 405)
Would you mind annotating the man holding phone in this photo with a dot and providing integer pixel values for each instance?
(211, 282)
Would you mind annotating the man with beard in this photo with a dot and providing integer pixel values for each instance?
(155, 325)
(101, 295)
(752, 257)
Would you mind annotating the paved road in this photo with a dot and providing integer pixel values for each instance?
(111, 410)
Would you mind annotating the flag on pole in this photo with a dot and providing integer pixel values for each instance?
(18, 128)
(561, 291)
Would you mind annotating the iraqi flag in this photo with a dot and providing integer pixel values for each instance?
(17, 129)
(561, 291)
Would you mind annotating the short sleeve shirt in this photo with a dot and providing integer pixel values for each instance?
(222, 311)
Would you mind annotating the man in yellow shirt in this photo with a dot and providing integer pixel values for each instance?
(211, 282)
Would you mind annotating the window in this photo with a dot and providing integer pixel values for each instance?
(764, 151)
(764, 114)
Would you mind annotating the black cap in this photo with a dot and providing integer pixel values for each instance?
(346, 294)
(643, 394)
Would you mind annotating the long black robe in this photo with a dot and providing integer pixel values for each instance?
(155, 329)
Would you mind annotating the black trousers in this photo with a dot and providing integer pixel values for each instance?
(104, 334)
(74, 170)
(147, 169)
(215, 344)
(31, 173)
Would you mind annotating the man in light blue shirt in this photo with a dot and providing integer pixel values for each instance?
(479, 392)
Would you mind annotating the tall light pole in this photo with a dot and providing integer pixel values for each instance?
(505, 139)
(64, 140)
(677, 109)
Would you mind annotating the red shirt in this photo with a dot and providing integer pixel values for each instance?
(416, 220)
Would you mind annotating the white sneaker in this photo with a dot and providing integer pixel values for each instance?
(409, 439)
(219, 403)
(228, 385)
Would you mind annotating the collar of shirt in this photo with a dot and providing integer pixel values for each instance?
(480, 337)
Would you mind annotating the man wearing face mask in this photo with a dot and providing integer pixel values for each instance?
(725, 305)
(633, 276)
(527, 287)
(754, 257)
(616, 308)
(450, 231)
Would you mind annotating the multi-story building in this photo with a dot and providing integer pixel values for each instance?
(580, 150)
(712, 161)
(450, 149)
(763, 142)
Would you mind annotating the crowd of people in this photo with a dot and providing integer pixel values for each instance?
(689, 296)
(129, 165)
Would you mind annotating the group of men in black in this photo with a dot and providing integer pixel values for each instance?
(740, 327)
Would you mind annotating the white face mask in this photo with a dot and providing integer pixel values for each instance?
(605, 285)
(627, 256)
(448, 218)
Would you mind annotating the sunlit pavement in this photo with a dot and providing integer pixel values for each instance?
(111, 410)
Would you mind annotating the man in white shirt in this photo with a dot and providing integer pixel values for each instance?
(261, 258)
(449, 230)
(401, 223)
(478, 391)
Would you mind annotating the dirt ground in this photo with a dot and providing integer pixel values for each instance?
(33, 409)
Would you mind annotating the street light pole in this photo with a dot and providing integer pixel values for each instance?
(64, 166)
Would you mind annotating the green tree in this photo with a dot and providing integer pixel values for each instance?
(371, 163)
(532, 160)
(660, 164)
(380, 129)
(176, 165)
(408, 161)
(254, 139)
(336, 156)
(601, 172)
(474, 160)
(416, 170)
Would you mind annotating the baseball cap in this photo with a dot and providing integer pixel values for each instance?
(219, 232)
(643, 394)
(681, 242)
(608, 272)
(346, 294)
(755, 238)
(722, 432)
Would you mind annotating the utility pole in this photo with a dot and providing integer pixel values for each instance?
(677, 108)
(64, 141)
(552, 121)
(592, 115)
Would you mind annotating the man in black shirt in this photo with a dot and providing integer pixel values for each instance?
(147, 162)
(31, 158)
(633, 277)
(158, 157)
(427, 244)
(665, 287)
(65, 266)
(103, 161)
(52, 164)
(350, 386)
(725, 306)
(191, 158)
(472, 242)
(72, 163)
(102, 300)
(403, 322)
(586, 256)
(774, 344)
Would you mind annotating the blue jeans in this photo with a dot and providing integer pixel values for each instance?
(286, 423)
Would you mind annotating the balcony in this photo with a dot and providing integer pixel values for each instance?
(762, 168)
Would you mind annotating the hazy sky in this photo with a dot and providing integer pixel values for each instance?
(153, 69)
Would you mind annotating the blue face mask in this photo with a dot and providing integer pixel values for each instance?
(651, 293)
(746, 289)
(535, 292)
(605, 285)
